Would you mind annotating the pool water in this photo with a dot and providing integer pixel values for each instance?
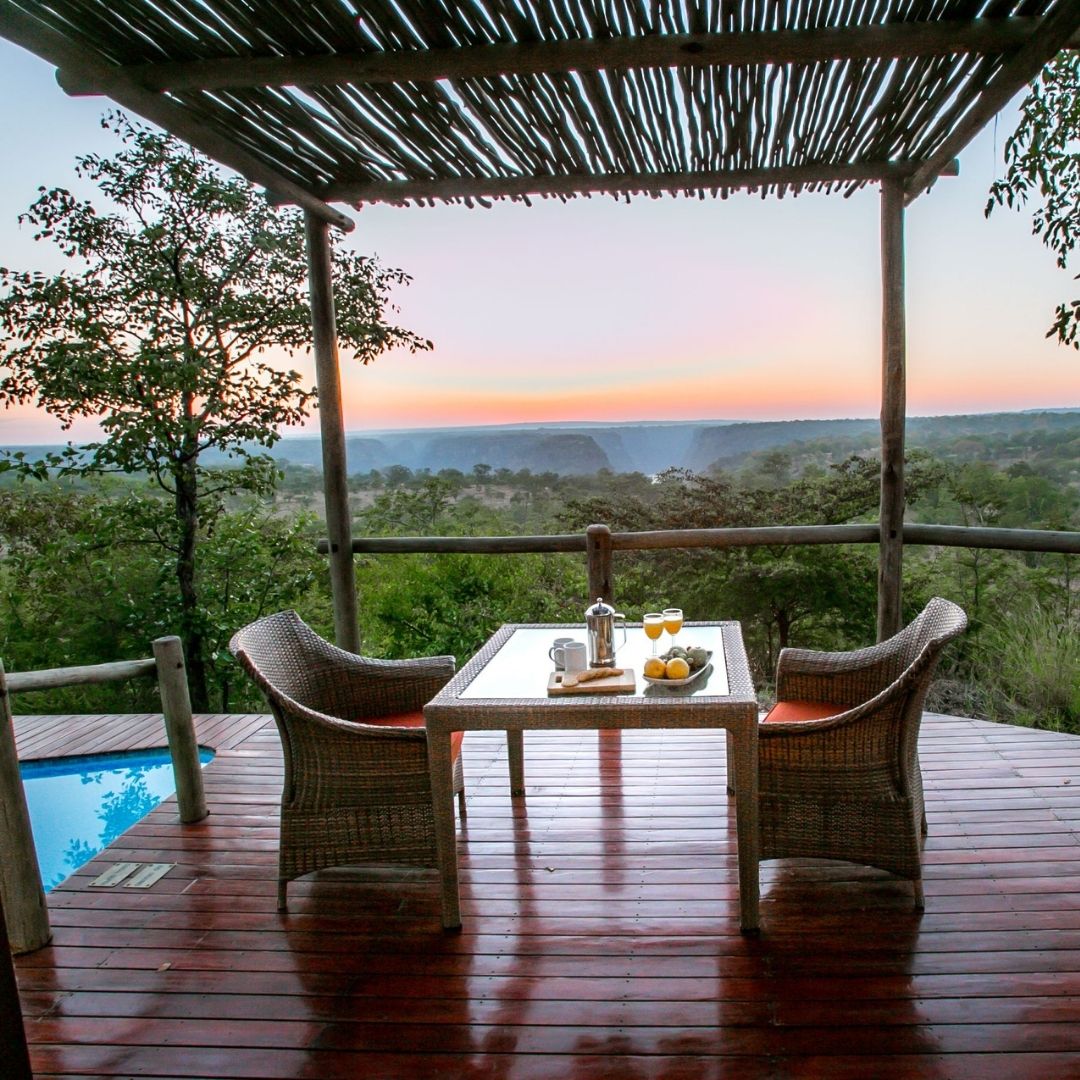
(80, 805)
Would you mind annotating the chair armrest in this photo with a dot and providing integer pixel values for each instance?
(838, 758)
(847, 678)
(333, 763)
(361, 687)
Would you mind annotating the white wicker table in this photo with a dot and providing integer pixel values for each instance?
(504, 687)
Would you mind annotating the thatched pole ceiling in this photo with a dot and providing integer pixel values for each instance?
(464, 100)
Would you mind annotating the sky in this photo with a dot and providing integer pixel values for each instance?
(656, 309)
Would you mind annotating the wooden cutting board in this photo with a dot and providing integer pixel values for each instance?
(611, 684)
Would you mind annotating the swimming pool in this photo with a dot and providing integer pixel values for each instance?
(80, 805)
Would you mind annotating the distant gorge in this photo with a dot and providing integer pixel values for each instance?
(646, 447)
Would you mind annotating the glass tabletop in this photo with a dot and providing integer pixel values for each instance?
(520, 669)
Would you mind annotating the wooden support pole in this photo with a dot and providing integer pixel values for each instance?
(893, 409)
(180, 728)
(20, 876)
(598, 555)
(332, 428)
(12, 1031)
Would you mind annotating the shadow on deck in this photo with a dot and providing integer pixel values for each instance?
(600, 930)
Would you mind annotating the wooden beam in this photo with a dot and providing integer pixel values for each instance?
(727, 539)
(910, 39)
(477, 187)
(1065, 543)
(12, 1031)
(1056, 32)
(332, 429)
(473, 545)
(25, 910)
(86, 675)
(180, 728)
(598, 563)
(1042, 540)
(893, 410)
(83, 63)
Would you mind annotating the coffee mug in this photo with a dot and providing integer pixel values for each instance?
(575, 658)
(556, 651)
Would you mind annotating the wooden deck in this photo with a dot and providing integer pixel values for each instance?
(72, 736)
(600, 935)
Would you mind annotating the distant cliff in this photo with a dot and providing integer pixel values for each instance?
(567, 453)
(725, 446)
(561, 448)
(648, 447)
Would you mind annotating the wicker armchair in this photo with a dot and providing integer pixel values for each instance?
(838, 755)
(357, 787)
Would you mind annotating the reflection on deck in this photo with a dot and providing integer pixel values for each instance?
(600, 938)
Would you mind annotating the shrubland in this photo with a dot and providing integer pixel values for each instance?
(81, 582)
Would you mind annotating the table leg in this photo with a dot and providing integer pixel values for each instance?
(729, 741)
(442, 804)
(745, 752)
(515, 751)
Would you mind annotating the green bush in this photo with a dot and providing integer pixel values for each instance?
(1032, 658)
(422, 605)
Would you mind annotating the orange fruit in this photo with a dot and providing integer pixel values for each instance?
(677, 668)
(655, 668)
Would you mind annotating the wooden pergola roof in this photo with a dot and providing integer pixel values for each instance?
(327, 101)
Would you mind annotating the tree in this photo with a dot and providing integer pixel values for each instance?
(160, 331)
(1043, 159)
(454, 477)
(481, 474)
(410, 513)
(772, 469)
(397, 475)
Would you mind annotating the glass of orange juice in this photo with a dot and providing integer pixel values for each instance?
(672, 617)
(653, 624)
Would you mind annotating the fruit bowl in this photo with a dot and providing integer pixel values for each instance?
(696, 674)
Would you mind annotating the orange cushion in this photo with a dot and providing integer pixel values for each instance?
(416, 719)
(792, 712)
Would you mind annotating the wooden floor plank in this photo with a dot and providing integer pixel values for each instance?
(600, 935)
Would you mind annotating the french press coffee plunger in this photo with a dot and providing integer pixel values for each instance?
(600, 621)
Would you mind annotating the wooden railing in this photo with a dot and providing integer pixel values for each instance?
(599, 543)
(20, 877)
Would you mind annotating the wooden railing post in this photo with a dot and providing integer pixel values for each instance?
(332, 431)
(598, 555)
(893, 409)
(180, 728)
(12, 1031)
(20, 876)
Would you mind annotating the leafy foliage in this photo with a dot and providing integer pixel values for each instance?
(60, 548)
(1043, 159)
(418, 605)
(1036, 655)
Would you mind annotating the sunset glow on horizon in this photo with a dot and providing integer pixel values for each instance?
(667, 309)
